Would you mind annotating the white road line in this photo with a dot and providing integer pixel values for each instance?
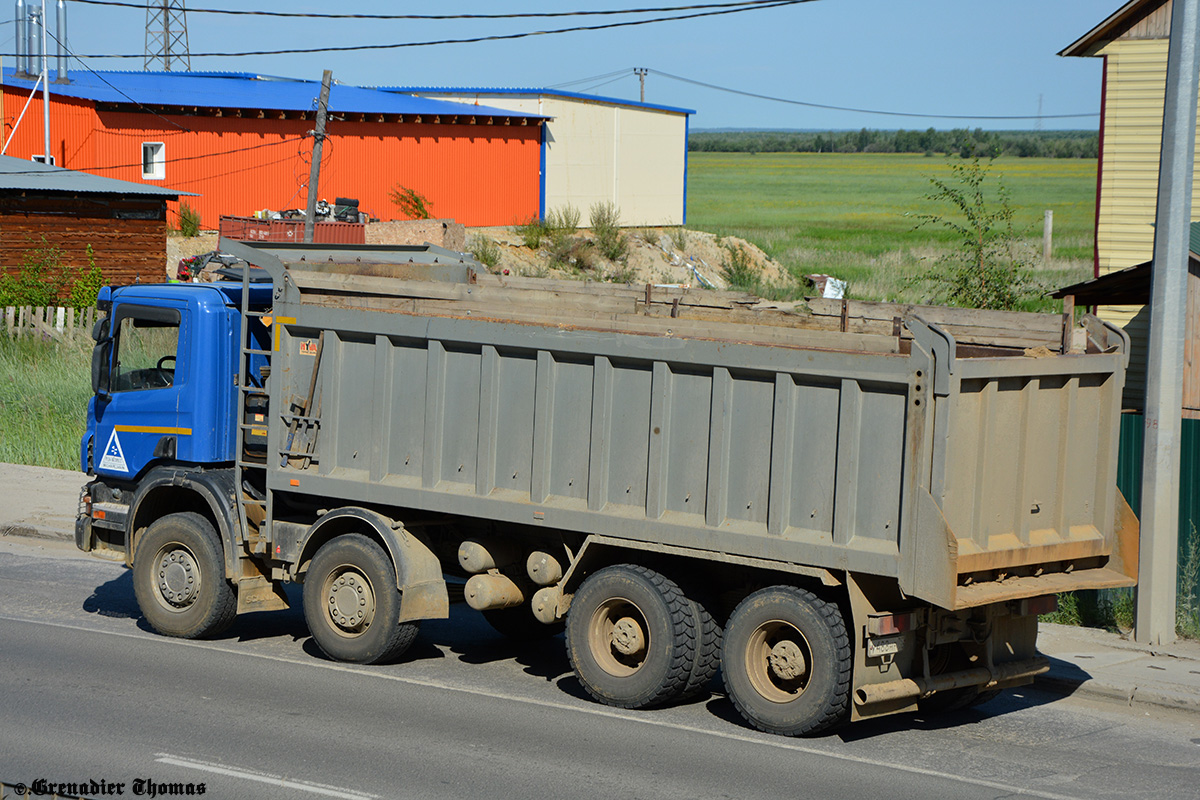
(767, 740)
(262, 777)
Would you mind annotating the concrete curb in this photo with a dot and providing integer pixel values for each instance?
(1127, 696)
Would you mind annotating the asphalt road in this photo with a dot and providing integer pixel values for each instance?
(89, 693)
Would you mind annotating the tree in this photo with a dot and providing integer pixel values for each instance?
(987, 268)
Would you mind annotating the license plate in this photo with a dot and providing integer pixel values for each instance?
(883, 646)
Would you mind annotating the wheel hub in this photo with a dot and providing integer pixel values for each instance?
(350, 601)
(178, 578)
(628, 637)
(787, 660)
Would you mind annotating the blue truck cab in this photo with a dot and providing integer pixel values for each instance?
(163, 414)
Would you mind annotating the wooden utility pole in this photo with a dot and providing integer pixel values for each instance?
(314, 173)
(1047, 237)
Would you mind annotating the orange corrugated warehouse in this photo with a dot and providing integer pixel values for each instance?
(243, 143)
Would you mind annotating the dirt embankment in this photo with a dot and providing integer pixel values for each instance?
(653, 255)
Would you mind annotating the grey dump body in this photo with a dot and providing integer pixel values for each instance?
(875, 501)
(964, 472)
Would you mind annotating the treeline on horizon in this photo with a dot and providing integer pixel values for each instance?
(960, 141)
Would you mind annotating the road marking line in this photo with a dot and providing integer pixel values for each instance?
(263, 777)
(777, 742)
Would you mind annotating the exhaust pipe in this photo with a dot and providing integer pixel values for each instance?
(33, 49)
(22, 22)
(913, 688)
(62, 77)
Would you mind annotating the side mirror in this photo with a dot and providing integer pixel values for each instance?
(100, 330)
(101, 368)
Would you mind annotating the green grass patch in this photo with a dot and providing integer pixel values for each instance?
(44, 392)
(853, 215)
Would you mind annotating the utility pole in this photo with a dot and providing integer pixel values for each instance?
(1047, 237)
(641, 73)
(1158, 550)
(314, 174)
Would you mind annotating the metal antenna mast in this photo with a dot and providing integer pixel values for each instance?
(166, 36)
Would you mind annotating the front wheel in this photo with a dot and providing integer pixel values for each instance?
(179, 578)
(786, 659)
(351, 602)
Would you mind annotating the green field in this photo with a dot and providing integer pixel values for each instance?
(851, 215)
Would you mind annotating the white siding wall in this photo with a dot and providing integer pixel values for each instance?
(632, 157)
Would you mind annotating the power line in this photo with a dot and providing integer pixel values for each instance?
(85, 65)
(620, 72)
(518, 15)
(758, 5)
(807, 104)
(603, 83)
(180, 159)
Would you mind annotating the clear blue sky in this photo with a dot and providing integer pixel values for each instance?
(925, 56)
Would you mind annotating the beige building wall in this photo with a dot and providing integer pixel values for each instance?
(1135, 86)
(633, 157)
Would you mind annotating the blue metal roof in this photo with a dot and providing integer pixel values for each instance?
(244, 90)
(533, 91)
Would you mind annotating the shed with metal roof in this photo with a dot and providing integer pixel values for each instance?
(598, 149)
(242, 142)
(49, 214)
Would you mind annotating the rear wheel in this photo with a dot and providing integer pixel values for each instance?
(708, 651)
(352, 605)
(631, 637)
(786, 659)
(179, 578)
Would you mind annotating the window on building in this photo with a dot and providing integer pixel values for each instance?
(154, 162)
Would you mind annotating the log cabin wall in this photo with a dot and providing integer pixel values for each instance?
(128, 235)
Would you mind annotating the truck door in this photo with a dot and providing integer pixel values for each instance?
(143, 413)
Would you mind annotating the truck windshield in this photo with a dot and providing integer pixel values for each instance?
(145, 354)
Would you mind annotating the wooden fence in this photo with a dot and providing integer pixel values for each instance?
(59, 324)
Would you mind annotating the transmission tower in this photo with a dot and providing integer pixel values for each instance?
(166, 36)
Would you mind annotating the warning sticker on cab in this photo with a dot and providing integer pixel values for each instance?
(114, 458)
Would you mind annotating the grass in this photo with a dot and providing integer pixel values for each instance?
(44, 392)
(853, 216)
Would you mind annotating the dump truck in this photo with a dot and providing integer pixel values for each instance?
(846, 509)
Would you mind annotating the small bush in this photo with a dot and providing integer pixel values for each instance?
(737, 268)
(679, 237)
(485, 250)
(40, 280)
(562, 222)
(1067, 613)
(189, 220)
(1187, 602)
(571, 253)
(606, 228)
(410, 202)
(531, 231)
(87, 286)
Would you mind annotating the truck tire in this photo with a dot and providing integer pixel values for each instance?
(631, 637)
(708, 651)
(179, 578)
(351, 602)
(520, 624)
(786, 659)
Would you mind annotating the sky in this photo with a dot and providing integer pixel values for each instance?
(941, 57)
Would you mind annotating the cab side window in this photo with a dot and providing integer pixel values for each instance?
(145, 352)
